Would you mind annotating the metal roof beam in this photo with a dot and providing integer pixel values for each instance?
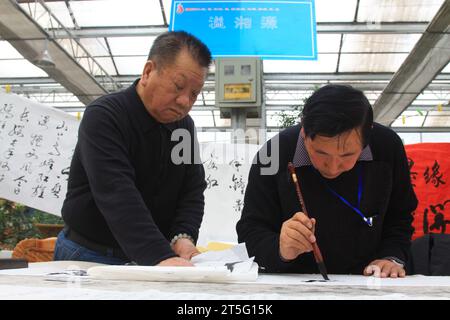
(429, 56)
(270, 82)
(369, 77)
(324, 27)
(420, 129)
(363, 27)
(17, 27)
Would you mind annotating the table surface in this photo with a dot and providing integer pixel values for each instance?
(267, 286)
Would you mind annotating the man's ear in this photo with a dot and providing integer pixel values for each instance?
(149, 67)
(302, 133)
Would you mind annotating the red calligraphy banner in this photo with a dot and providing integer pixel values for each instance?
(429, 165)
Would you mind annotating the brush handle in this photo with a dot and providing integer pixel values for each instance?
(316, 251)
(317, 254)
(297, 188)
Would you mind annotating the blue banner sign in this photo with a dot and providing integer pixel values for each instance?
(268, 29)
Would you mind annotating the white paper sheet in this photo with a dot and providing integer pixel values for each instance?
(353, 280)
(209, 267)
(231, 265)
(42, 269)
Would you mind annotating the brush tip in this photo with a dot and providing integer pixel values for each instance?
(323, 270)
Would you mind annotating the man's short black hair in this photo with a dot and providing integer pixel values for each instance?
(168, 45)
(335, 109)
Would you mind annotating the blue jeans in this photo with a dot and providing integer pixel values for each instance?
(66, 249)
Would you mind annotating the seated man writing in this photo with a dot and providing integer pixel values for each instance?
(356, 186)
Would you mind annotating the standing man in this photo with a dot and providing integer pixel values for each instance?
(356, 186)
(127, 199)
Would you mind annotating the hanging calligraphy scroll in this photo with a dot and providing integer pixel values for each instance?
(226, 172)
(429, 165)
(36, 147)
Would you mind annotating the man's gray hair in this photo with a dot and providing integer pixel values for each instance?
(168, 45)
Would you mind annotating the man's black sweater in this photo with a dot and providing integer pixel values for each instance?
(347, 243)
(124, 191)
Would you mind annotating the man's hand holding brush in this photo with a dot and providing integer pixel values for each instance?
(297, 236)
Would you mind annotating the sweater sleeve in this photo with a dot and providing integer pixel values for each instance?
(397, 228)
(111, 175)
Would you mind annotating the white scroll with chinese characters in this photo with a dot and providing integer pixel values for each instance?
(36, 147)
(226, 173)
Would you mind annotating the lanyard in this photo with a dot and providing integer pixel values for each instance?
(369, 220)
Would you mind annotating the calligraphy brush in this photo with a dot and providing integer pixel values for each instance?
(317, 254)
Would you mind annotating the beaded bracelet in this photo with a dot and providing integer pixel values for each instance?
(181, 236)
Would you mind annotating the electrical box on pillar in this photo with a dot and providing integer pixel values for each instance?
(239, 86)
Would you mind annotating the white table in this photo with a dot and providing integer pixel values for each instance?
(33, 284)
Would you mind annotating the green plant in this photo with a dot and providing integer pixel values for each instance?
(17, 222)
(289, 119)
(292, 117)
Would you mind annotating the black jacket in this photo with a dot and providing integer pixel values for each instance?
(346, 242)
(124, 191)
